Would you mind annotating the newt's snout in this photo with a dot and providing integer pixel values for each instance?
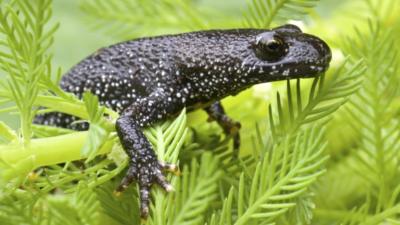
(308, 55)
(324, 55)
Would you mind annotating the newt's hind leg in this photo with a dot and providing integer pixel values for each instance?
(144, 166)
(217, 113)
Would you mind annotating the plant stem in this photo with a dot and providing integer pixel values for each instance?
(49, 151)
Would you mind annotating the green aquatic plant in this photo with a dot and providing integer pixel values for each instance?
(320, 151)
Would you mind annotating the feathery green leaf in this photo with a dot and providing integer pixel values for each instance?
(262, 13)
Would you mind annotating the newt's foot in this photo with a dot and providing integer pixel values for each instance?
(231, 128)
(235, 134)
(147, 175)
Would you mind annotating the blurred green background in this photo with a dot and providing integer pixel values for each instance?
(76, 38)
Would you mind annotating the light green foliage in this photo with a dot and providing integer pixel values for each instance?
(126, 16)
(372, 115)
(6, 133)
(324, 151)
(323, 99)
(377, 153)
(97, 134)
(193, 195)
(261, 13)
(23, 56)
(282, 176)
(27, 208)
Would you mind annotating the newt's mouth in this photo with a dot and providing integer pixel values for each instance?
(310, 69)
(320, 66)
(303, 69)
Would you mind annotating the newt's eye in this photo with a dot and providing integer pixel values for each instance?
(270, 47)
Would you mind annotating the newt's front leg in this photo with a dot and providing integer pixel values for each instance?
(144, 167)
(216, 112)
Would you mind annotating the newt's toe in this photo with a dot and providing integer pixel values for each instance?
(144, 202)
(162, 181)
(117, 193)
(130, 176)
(169, 167)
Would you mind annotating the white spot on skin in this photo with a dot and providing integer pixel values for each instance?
(286, 72)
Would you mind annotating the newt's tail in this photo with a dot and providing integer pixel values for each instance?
(58, 119)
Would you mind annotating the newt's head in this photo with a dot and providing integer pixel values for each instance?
(285, 52)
